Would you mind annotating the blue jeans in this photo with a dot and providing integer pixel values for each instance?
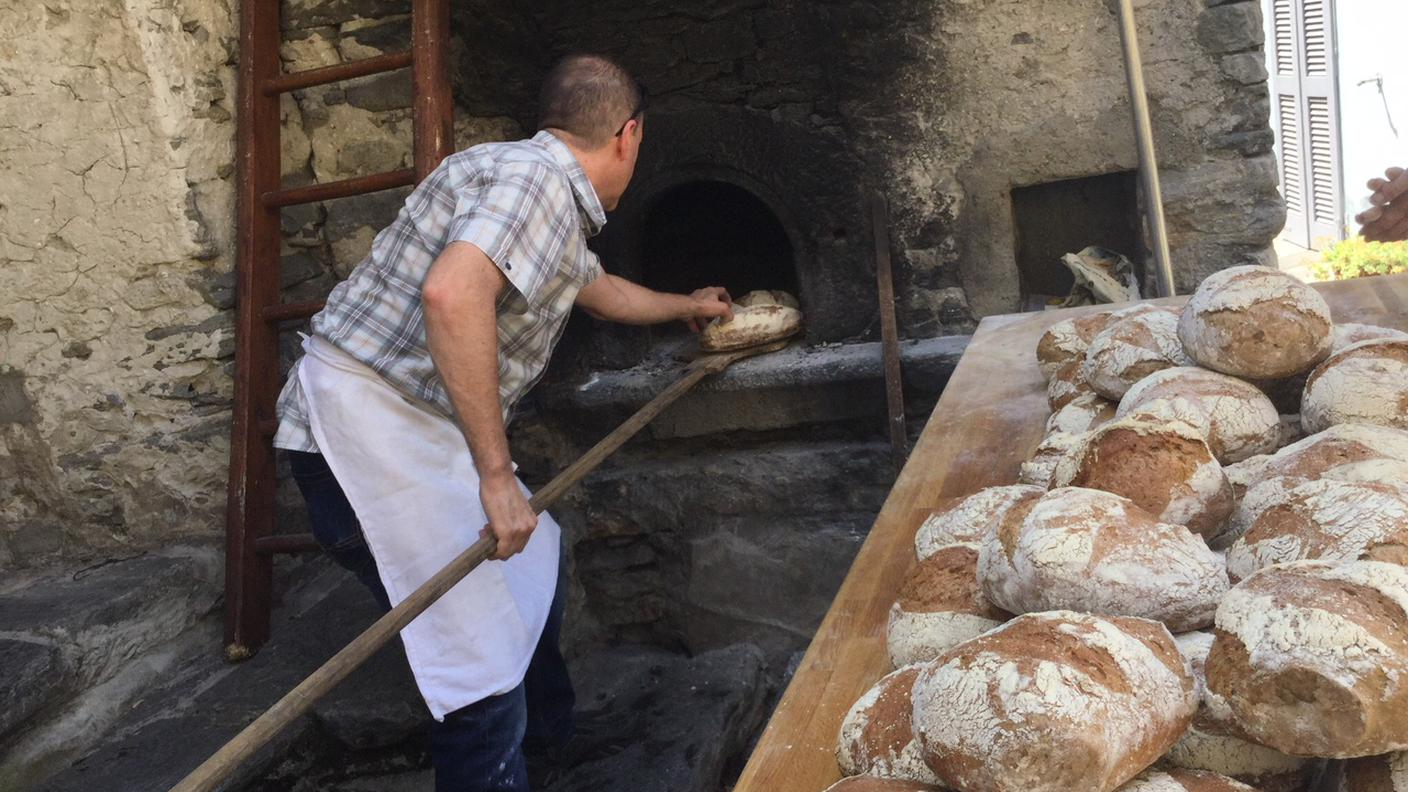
(478, 748)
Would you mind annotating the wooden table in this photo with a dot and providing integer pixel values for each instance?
(988, 421)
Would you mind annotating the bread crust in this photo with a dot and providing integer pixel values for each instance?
(1255, 322)
(1130, 349)
(940, 606)
(1238, 420)
(1365, 382)
(751, 326)
(877, 735)
(967, 518)
(1066, 340)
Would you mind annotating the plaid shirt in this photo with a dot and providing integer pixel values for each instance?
(529, 206)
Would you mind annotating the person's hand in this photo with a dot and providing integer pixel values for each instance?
(706, 304)
(511, 518)
(1386, 220)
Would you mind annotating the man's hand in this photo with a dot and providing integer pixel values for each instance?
(1387, 219)
(705, 304)
(511, 518)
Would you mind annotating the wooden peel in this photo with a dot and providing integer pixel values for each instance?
(301, 699)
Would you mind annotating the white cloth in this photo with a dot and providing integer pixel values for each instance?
(411, 480)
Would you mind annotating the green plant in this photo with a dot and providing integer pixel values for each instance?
(1354, 257)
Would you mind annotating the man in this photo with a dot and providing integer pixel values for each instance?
(1386, 219)
(394, 418)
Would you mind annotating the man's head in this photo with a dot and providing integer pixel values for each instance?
(594, 105)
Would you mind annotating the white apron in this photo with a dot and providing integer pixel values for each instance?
(411, 480)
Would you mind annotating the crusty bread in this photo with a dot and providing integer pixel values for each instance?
(1081, 414)
(877, 737)
(1067, 340)
(1130, 349)
(867, 783)
(1331, 520)
(1236, 417)
(1385, 773)
(967, 518)
(1067, 384)
(1215, 744)
(1165, 467)
(1276, 491)
(1175, 779)
(1353, 332)
(1312, 657)
(1365, 382)
(1038, 470)
(1092, 551)
(940, 605)
(1255, 322)
(767, 297)
(751, 326)
(1053, 702)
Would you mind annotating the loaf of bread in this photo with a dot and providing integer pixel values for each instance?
(1053, 702)
(1067, 340)
(1276, 491)
(1236, 417)
(1038, 470)
(1310, 458)
(1067, 384)
(940, 606)
(967, 518)
(1256, 323)
(1087, 550)
(1179, 780)
(1331, 520)
(1365, 382)
(751, 326)
(877, 737)
(767, 297)
(1385, 773)
(1130, 349)
(1312, 657)
(1215, 744)
(1165, 467)
(1353, 333)
(867, 783)
(1081, 414)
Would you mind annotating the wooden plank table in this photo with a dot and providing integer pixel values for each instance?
(988, 421)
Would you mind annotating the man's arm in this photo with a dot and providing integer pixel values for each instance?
(459, 295)
(616, 299)
(1387, 219)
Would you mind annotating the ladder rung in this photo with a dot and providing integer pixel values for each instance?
(286, 543)
(285, 312)
(337, 73)
(343, 188)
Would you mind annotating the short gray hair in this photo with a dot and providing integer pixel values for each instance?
(589, 97)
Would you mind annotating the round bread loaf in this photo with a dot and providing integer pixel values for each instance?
(1331, 520)
(1353, 333)
(1275, 491)
(1255, 322)
(967, 518)
(1081, 414)
(1130, 349)
(1066, 340)
(1237, 418)
(1052, 702)
(750, 326)
(940, 605)
(1215, 744)
(1310, 458)
(767, 297)
(877, 737)
(1179, 780)
(1366, 382)
(867, 783)
(1038, 470)
(1386, 773)
(1092, 551)
(1312, 657)
(1067, 384)
(1165, 467)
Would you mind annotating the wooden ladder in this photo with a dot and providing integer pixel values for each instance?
(250, 541)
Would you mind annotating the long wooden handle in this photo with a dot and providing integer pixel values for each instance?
(300, 700)
(1144, 139)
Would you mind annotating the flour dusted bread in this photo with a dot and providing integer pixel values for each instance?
(1067, 340)
(1353, 332)
(1331, 520)
(1039, 469)
(767, 297)
(1165, 467)
(1081, 414)
(1130, 349)
(751, 326)
(877, 737)
(1255, 322)
(1365, 382)
(1067, 384)
(1053, 702)
(868, 783)
(1178, 780)
(940, 605)
(1235, 416)
(1087, 550)
(1312, 657)
(1386, 773)
(968, 518)
(1214, 743)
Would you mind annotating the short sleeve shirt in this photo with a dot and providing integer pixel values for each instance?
(530, 207)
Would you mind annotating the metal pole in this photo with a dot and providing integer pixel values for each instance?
(1144, 137)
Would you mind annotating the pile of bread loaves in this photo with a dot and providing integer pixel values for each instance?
(1201, 582)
